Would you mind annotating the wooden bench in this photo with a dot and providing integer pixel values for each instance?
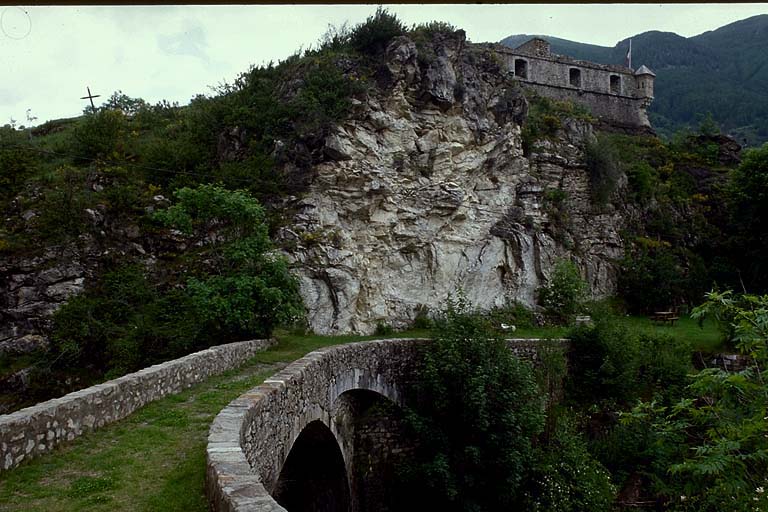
(665, 318)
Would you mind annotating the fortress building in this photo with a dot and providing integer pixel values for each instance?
(615, 95)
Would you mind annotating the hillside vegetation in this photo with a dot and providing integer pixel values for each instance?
(167, 211)
(722, 71)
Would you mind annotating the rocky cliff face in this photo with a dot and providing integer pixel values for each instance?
(426, 190)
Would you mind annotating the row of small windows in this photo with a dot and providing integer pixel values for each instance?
(574, 76)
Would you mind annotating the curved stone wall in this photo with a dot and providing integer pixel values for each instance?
(251, 438)
(38, 429)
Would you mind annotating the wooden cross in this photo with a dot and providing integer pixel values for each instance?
(90, 97)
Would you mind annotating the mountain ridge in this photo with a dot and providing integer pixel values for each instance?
(721, 71)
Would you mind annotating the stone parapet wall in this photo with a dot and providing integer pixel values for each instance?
(38, 429)
(251, 438)
(606, 107)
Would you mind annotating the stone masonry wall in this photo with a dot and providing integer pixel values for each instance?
(251, 438)
(548, 74)
(622, 110)
(38, 429)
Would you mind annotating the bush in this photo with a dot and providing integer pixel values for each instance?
(565, 477)
(651, 276)
(101, 135)
(604, 364)
(721, 419)
(565, 293)
(478, 412)
(666, 363)
(17, 160)
(378, 30)
(422, 320)
(247, 289)
(602, 161)
(239, 290)
(120, 325)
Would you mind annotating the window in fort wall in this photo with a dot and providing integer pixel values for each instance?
(574, 77)
(615, 84)
(521, 68)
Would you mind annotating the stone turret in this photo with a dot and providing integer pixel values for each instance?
(645, 77)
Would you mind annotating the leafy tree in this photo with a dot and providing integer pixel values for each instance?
(565, 293)
(246, 289)
(715, 438)
(651, 276)
(748, 201)
(478, 413)
(239, 289)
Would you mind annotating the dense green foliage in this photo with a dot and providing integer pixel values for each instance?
(748, 209)
(722, 71)
(611, 363)
(235, 289)
(565, 477)
(479, 411)
(565, 292)
(699, 209)
(708, 451)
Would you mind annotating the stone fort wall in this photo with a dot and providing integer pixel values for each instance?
(39, 429)
(614, 94)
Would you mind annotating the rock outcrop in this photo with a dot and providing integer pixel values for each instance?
(426, 190)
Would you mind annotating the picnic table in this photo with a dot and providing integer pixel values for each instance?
(665, 317)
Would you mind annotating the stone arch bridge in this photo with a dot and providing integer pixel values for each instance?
(296, 442)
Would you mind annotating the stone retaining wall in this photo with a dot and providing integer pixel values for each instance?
(38, 429)
(251, 438)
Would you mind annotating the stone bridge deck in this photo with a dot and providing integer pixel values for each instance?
(251, 439)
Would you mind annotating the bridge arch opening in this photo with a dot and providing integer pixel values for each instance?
(379, 444)
(314, 477)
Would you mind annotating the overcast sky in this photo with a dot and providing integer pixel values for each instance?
(48, 55)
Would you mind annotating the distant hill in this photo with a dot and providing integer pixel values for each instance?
(723, 71)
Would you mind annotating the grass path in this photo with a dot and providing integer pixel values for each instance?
(154, 460)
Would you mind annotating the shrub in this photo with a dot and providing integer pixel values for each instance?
(651, 276)
(602, 161)
(478, 411)
(666, 363)
(604, 364)
(373, 36)
(565, 477)
(565, 293)
(102, 135)
(62, 207)
(383, 329)
(119, 325)
(422, 320)
(16, 161)
(247, 289)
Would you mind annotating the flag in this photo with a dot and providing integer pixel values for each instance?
(629, 55)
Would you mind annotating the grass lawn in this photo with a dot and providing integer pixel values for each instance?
(154, 460)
